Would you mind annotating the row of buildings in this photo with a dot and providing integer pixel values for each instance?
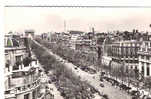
(131, 54)
(115, 49)
(77, 40)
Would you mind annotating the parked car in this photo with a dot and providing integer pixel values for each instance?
(101, 84)
(102, 74)
(75, 68)
(92, 71)
(105, 96)
(134, 92)
(82, 68)
(101, 79)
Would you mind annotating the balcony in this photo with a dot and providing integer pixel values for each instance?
(27, 87)
(21, 89)
(145, 51)
(19, 84)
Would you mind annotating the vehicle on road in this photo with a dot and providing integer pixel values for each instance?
(102, 73)
(101, 79)
(134, 92)
(101, 84)
(105, 96)
(92, 71)
(75, 68)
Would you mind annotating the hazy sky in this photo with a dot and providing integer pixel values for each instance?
(52, 19)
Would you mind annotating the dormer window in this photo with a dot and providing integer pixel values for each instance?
(15, 43)
(9, 43)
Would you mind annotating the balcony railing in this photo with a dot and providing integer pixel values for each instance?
(23, 88)
(27, 87)
(145, 50)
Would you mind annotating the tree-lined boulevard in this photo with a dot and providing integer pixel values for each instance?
(69, 84)
(92, 79)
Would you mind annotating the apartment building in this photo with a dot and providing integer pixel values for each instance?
(74, 36)
(145, 58)
(126, 51)
(22, 76)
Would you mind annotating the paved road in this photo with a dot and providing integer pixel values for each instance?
(112, 92)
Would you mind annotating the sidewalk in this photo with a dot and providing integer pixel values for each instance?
(54, 91)
(52, 88)
(142, 91)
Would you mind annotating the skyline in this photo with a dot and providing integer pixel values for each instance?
(82, 19)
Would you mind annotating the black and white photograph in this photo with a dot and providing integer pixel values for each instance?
(77, 53)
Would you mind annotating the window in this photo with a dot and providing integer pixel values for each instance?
(18, 58)
(142, 69)
(18, 74)
(131, 52)
(126, 61)
(148, 71)
(15, 67)
(142, 57)
(131, 67)
(147, 57)
(15, 43)
(146, 44)
(122, 55)
(26, 96)
(131, 61)
(127, 52)
(34, 94)
(9, 43)
(135, 61)
(136, 50)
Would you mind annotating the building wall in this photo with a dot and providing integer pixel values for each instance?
(126, 51)
(19, 84)
(11, 54)
(145, 58)
(22, 95)
(106, 60)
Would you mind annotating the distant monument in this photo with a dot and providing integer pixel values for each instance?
(29, 33)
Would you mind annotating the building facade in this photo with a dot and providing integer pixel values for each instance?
(22, 76)
(126, 51)
(145, 58)
(85, 45)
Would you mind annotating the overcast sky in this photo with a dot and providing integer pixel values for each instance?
(52, 19)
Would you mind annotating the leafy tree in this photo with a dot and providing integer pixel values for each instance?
(67, 83)
(27, 61)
